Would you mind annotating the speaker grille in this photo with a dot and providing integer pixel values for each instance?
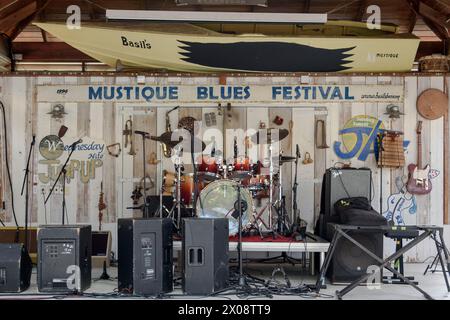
(349, 261)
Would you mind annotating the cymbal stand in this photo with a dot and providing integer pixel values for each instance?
(177, 202)
(161, 207)
(280, 206)
(270, 186)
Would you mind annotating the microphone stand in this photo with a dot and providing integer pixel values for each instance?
(146, 205)
(294, 190)
(63, 172)
(241, 286)
(241, 281)
(25, 182)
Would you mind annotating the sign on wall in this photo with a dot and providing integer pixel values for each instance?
(235, 94)
(86, 159)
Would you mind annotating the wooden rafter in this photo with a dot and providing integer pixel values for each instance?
(434, 20)
(412, 21)
(49, 52)
(436, 17)
(41, 5)
(306, 6)
(8, 23)
(361, 10)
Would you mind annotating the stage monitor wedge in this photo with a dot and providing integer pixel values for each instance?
(64, 258)
(15, 268)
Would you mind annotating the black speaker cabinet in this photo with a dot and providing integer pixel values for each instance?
(346, 183)
(9, 235)
(338, 184)
(15, 268)
(205, 255)
(64, 258)
(349, 262)
(145, 252)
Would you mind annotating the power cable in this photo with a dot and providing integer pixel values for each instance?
(7, 165)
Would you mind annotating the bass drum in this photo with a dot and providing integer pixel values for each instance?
(217, 200)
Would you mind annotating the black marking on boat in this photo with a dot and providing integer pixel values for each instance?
(266, 56)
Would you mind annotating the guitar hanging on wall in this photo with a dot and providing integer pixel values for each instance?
(419, 179)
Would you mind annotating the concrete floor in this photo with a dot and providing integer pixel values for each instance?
(433, 284)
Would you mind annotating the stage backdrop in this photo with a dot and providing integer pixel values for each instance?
(96, 111)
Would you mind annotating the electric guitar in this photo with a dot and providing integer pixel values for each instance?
(418, 179)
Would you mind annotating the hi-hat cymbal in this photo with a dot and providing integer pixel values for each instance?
(166, 138)
(268, 136)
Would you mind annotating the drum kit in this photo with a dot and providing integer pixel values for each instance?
(215, 188)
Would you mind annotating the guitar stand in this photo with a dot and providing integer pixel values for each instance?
(398, 265)
(342, 230)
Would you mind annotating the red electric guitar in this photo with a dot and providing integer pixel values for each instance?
(418, 179)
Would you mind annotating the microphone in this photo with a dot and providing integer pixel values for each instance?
(173, 109)
(297, 151)
(76, 142)
(34, 139)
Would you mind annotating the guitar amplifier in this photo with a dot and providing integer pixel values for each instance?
(338, 184)
(346, 183)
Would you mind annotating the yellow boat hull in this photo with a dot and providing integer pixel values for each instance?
(188, 48)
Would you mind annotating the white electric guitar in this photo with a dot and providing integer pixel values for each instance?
(419, 179)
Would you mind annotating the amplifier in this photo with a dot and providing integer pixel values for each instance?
(15, 268)
(337, 184)
(64, 258)
(205, 255)
(145, 256)
(346, 183)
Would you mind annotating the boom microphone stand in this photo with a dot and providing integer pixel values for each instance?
(25, 182)
(63, 172)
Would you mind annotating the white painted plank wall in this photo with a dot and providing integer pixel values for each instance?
(17, 92)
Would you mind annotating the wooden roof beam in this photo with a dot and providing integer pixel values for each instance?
(431, 14)
(361, 10)
(49, 52)
(15, 18)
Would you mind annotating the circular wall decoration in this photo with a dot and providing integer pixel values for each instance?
(51, 147)
(432, 104)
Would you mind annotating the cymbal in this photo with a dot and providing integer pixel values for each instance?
(271, 135)
(166, 138)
